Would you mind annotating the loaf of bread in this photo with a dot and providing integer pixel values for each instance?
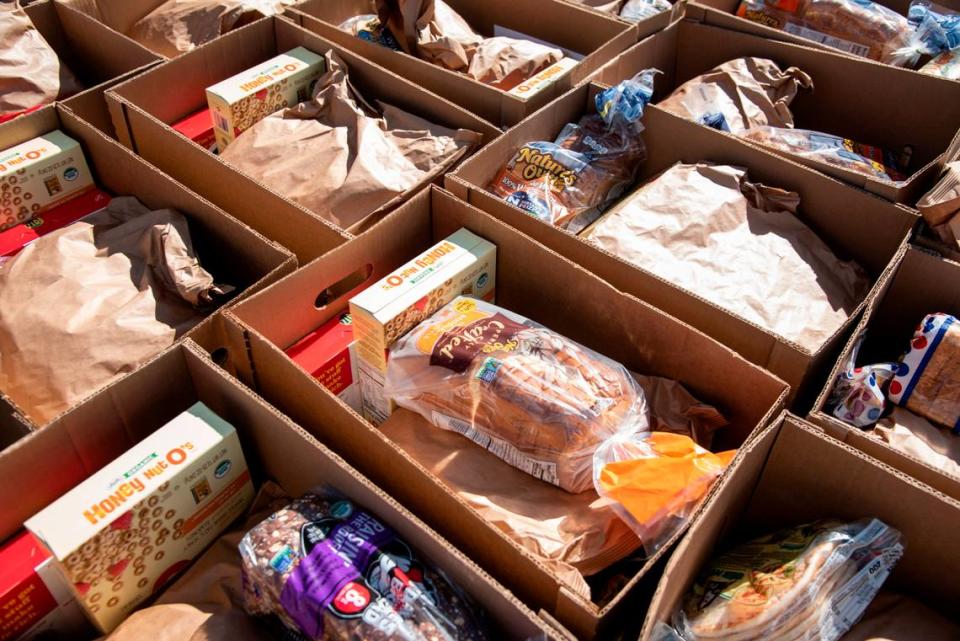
(332, 571)
(536, 399)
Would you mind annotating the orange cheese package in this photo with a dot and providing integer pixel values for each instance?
(568, 182)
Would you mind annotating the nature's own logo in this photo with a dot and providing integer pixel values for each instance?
(537, 164)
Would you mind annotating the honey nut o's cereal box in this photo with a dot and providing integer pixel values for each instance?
(463, 264)
(38, 175)
(127, 530)
(241, 101)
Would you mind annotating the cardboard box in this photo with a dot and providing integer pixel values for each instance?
(133, 525)
(461, 264)
(329, 354)
(226, 247)
(852, 97)
(198, 127)
(535, 282)
(40, 174)
(124, 414)
(241, 101)
(838, 213)
(142, 109)
(793, 474)
(16, 238)
(34, 598)
(595, 36)
(919, 284)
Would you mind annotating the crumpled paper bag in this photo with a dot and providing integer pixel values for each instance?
(574, 535)
(740, 245)
(340, 158)
(92, 301)
(31, 74)
(940, 206)
(431, 30)
(892, 616)
(506, 62)
(920, 439)
(174, 27)
(743, 92)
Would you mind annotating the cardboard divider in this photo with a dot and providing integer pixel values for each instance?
(94, 52)
(920, 284)
(532, 281)
(852, 97)
(230, 250)
(50, 462)
(794, 474)
(837, 213)
(143, 108)
(596, 36)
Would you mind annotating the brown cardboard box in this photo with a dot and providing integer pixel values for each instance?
(920, 284)
(226, 247)
(535, 282)
(48, 463)
(144, 107)
(794, 474)
(94, 52)
(838, 213)
(852, 97)
(597, 37)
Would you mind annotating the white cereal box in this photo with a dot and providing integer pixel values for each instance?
(462, 264)
(127, 530)
(39, 174)
(239, 102)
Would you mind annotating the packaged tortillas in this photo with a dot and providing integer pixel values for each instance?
(810, 582)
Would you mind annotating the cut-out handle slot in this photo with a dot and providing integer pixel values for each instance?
(332, 294)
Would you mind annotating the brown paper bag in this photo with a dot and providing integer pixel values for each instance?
(575, 535)
(92, 301)
(940, 206)
(506, 62)
(920, 439)
(31, 74)
(745, 91)
(737, 244)
(338, 157)
(430, 29)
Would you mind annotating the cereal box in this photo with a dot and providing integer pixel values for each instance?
(238, 103)
(35, 600)
(329, 353)
(40, 174)
(17, 237)
(463, 264)
(127, 530)
(198, 127)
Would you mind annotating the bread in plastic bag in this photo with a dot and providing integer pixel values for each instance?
(739, 94)
(532, 397)
(867, 160)
(637, 10)
(368, 27)
(936, 30)
(812, 581)
(946, 65)
(568, 182)
(860, 27)
(334, 572)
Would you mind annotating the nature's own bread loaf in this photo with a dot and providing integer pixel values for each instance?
(536, 399)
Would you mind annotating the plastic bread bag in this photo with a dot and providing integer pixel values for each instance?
(568, 182)
(859, 394)
(31, 74)
(834, 150)
(936, 31)
(946, 65)
(860, 27)
(637, 10)
(89, 302)
(431, 30)
(368, 27)
(332, 571)
(940, 206)
(530, 396)
(812, 581)
(740, 94)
